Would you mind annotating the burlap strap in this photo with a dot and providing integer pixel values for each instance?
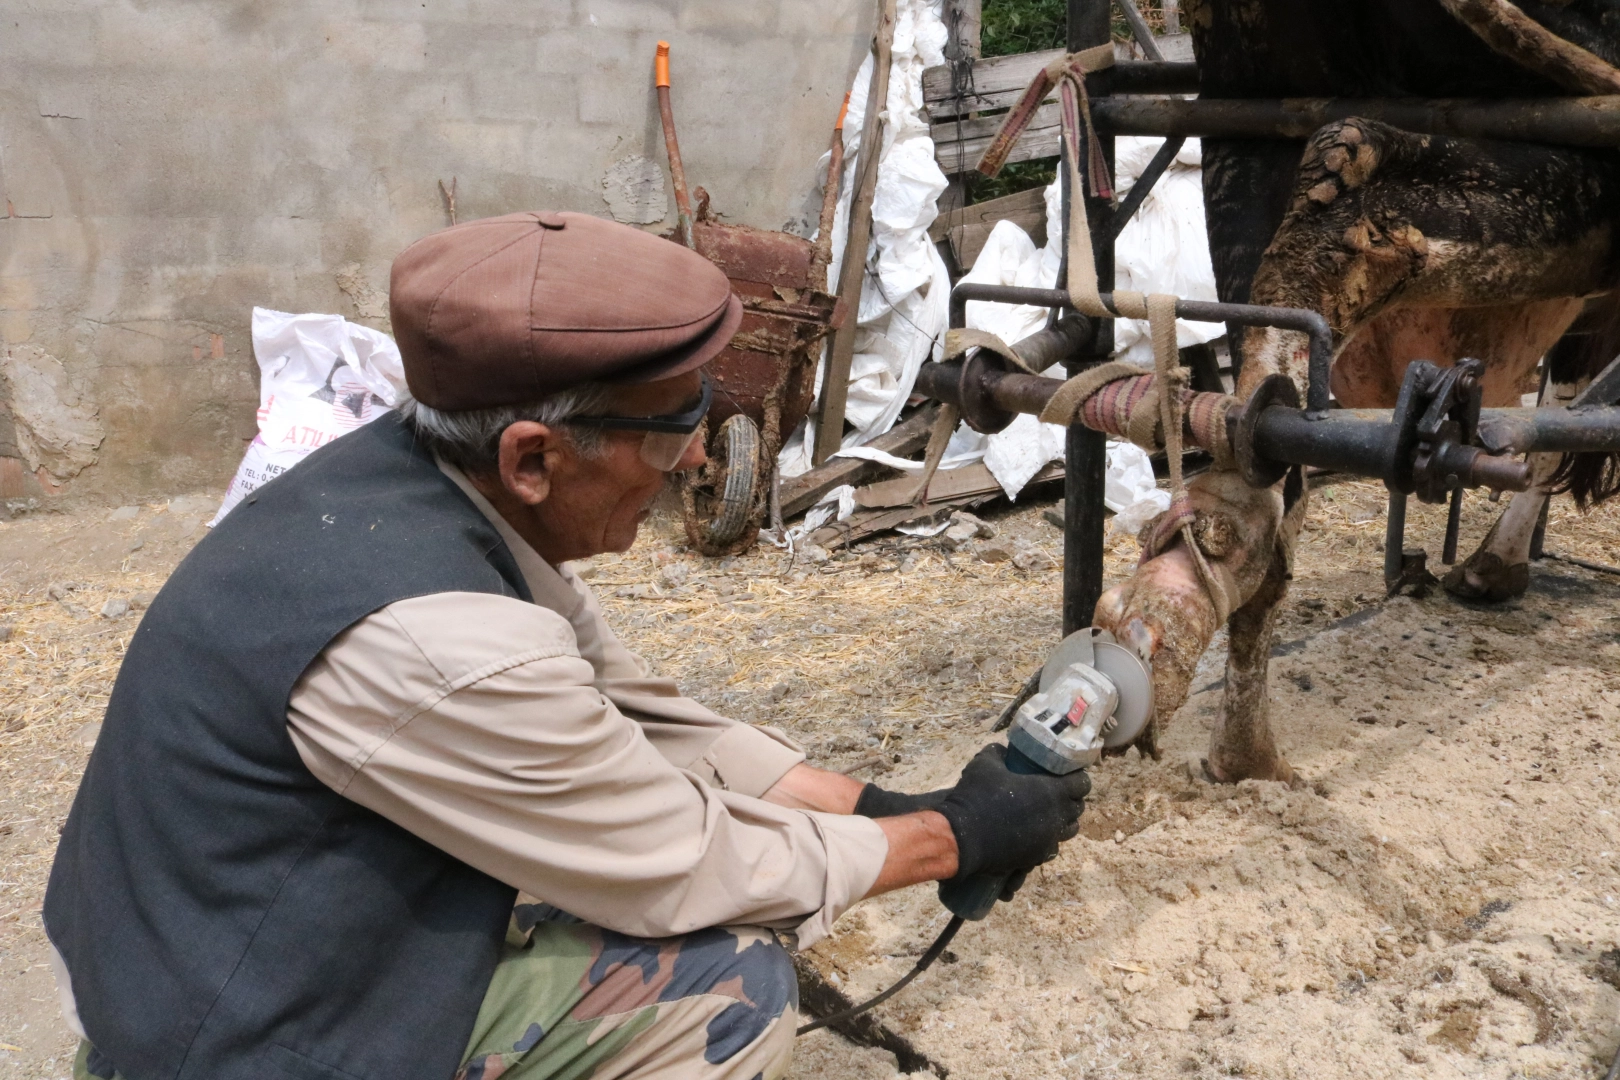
(1071, 397)
(959, 340)
(1159, 417)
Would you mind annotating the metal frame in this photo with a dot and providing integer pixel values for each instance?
(1319, 398)
(1090, 23)
(1378, 443)
(1367, 440)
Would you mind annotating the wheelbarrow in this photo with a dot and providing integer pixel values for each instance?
(764, 380)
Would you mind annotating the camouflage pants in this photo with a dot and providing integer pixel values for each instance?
(573, 1001)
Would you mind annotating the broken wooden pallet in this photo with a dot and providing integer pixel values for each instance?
(974, 492)
(967, 228)
(947, 485)
(800, 493)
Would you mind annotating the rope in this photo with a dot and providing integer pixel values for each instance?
(1181, 516)
(1149, 408)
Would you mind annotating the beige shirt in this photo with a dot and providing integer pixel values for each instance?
(527, 741)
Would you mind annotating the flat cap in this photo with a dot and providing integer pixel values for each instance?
(510, 309)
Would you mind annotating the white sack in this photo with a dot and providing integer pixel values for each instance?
(1164, 247)
(320, 377)
(904, 305)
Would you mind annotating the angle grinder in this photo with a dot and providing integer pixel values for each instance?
(1095, 694)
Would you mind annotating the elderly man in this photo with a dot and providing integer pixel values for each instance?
(375, 708)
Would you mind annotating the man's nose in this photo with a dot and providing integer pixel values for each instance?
(696, 457)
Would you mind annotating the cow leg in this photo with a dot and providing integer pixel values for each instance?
(1241, 745)
(1373, 225)
(1500, 568)
(1164, 612)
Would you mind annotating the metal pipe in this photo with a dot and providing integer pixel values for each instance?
(1012, 391)
(1576, 121)
(821, 254)
(1310, 323)
(1140, 30)
(1144, 184)
(1448, 553)
(1355, 441)
(1059, 343)
(1560, 431)
(1090, 23)
(1361, 441)
(1148, 77)
(1394, 537)
(677, 174)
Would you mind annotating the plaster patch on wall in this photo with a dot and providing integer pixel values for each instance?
(58, 426)
(633, 188)
(369, 302)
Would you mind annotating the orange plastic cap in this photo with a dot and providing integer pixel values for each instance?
(661, 65)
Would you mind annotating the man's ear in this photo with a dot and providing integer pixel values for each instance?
(530, 454)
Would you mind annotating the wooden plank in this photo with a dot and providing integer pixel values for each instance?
(998, 82)
(967, 241)
(1174, 48)
(866, 523)
(871, 522)
(990, 212)
(1042, 142)
(799, 493)
(852, 273)
(948, 485)
(985, 127)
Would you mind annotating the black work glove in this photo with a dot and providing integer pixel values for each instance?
(874, 802)
(1006, 821)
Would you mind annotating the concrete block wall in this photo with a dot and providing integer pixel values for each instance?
(168, 164)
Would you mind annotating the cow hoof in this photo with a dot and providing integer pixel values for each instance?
(1486, 577)
(1274, 769)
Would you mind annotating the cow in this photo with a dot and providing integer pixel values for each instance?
(1411, 246)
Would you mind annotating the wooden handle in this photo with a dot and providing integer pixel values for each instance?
(661, 65)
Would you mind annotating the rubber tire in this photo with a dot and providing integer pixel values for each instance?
(739, 441)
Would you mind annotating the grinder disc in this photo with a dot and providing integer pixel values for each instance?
(1129, 674)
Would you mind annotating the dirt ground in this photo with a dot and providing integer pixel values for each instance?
(1440, 900)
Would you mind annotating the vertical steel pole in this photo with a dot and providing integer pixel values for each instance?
(1087, 451)
(1394, 539)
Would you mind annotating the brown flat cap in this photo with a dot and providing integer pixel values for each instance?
(513, 308)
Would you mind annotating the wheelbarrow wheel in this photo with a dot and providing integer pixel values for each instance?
(739, 443)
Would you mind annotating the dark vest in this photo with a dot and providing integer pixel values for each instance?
(224, 915)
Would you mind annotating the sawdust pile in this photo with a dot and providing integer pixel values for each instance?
(1442, 899)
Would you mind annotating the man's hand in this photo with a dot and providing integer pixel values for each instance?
(1004, 821)
(994, 820)
(921, 846)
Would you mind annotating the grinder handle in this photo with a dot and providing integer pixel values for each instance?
(973, 898)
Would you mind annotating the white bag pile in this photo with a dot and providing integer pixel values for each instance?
(320, 377)
(904, 306)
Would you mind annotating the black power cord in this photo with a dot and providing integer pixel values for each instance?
(922, 965)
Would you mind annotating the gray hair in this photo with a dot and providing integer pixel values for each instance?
(470, 439)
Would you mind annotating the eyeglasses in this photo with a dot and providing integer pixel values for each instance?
(667, 437)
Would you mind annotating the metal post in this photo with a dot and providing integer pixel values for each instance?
(1394, 538)
(1087, 451)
